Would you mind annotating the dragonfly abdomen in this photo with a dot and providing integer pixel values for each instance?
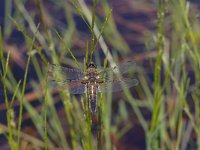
(93, 101)
(92, 92)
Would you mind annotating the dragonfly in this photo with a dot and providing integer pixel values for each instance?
(93, 80)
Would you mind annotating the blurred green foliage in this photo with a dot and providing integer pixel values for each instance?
(164, 106)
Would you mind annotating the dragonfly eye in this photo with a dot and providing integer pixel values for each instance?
(91, 65)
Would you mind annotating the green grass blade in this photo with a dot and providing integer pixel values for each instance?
(23, 92)
(68, 49)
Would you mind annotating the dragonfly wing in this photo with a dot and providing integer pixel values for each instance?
(116, 85)
(67, 73)
(122, 69)
(76, 87)
(73, 86)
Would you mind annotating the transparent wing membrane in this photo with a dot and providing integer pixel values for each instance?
(117, 85)
(74, 86)
(123, 68)
(67, 78)
(68, 73)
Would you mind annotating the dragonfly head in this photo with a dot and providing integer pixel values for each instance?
(91, 65)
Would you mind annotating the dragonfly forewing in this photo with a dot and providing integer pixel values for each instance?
(121, 69)
(67, 79)
(68, 73)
